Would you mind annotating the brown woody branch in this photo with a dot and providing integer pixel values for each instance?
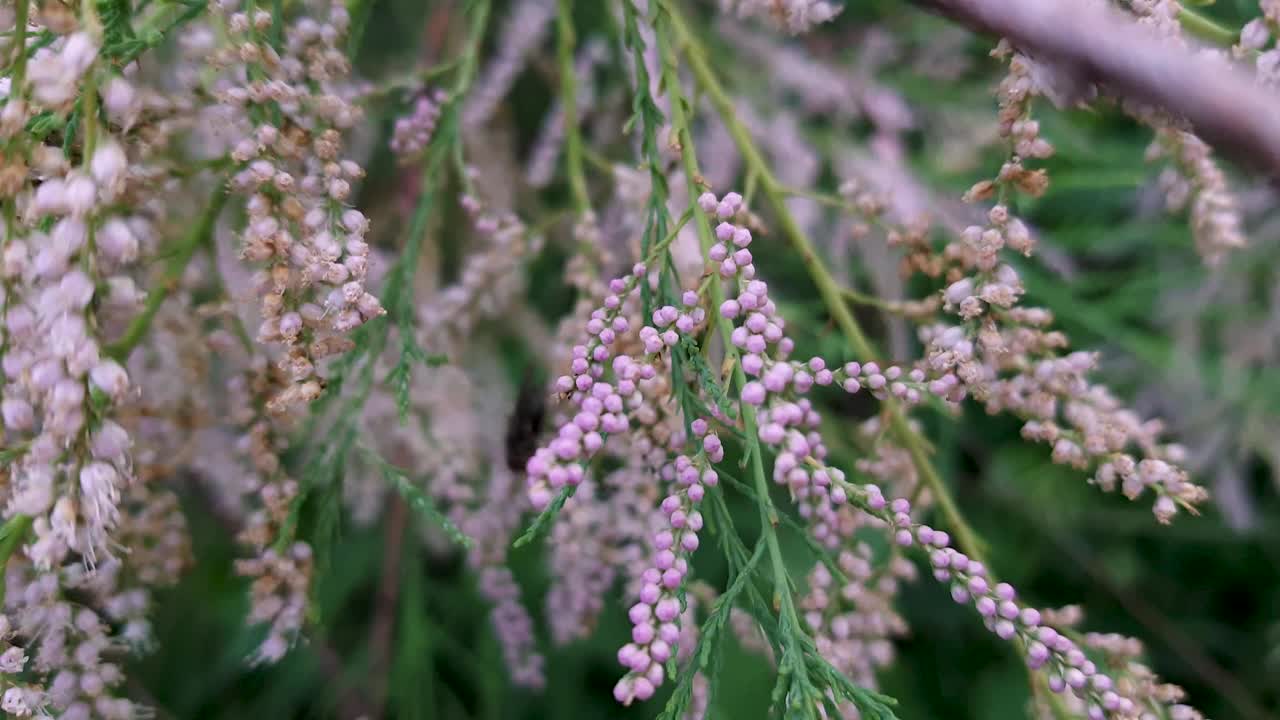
(1098, 44)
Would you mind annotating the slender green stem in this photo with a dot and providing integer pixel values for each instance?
(89, 91)
(1206, 29)
(360, 11)
(12, 533)
(410, 80)
(195, 237)
(658, 250)
(768, 512)
(447, 132)
(569, 107)
(19, 48)
(861, 298)
(467, 72)
(830, 290)
(600, 161)
(446, 144)
(277, 25)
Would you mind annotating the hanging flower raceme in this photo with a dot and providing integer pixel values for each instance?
(290, 110)
(79, 219)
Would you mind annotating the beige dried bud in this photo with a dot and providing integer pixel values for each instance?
(982, 190)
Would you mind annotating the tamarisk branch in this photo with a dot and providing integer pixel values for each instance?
(1101, 45)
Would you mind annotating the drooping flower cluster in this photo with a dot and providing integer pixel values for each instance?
(853, 624)
(1046, 649)
(602, 535)
(279, 567)
(73, 641)
(412, 132)
(19, 699)
(1009, 359)
(56, 369)
(1193, 176)
(1025, 80)
(291, 111)
(655, 619)
(492, 522)
(1068, 666)
(94, 534)
(601, 406)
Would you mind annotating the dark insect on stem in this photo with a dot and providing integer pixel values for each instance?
(526, 421)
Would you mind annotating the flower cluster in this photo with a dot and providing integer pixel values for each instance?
(1046, 649)
(291, 110)
(492, 522)
(849, 605)
(794, 16)
(1025, 80)
(655, 632)
(1195, 177)
(1193, 173)
(601, 406)
(279, 568)
(1009, 359)
(413, 132)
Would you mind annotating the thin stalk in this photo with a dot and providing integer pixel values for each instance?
(381, 633)
(20, 48)
(360, 12)
(277, 25)
(12, 533)
(768, 512)
(569, 107)
(89, 91)
(479, 20)
(600, 161)
(861, 298)
(830, 290)
(410, 80)
(1206, 29)
(198, 235)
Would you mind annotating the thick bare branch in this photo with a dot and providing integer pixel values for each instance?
(1099, 44)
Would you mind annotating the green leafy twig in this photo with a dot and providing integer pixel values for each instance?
(417, 500)
(709, 637)
(12, 533)
(651, 120)
(1205, 28)
(546, 517)
(830, 291)
(569, 106)
(799, 664)
(124, 47)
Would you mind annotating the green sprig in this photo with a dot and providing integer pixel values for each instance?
(418, 501)
(12, 533)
